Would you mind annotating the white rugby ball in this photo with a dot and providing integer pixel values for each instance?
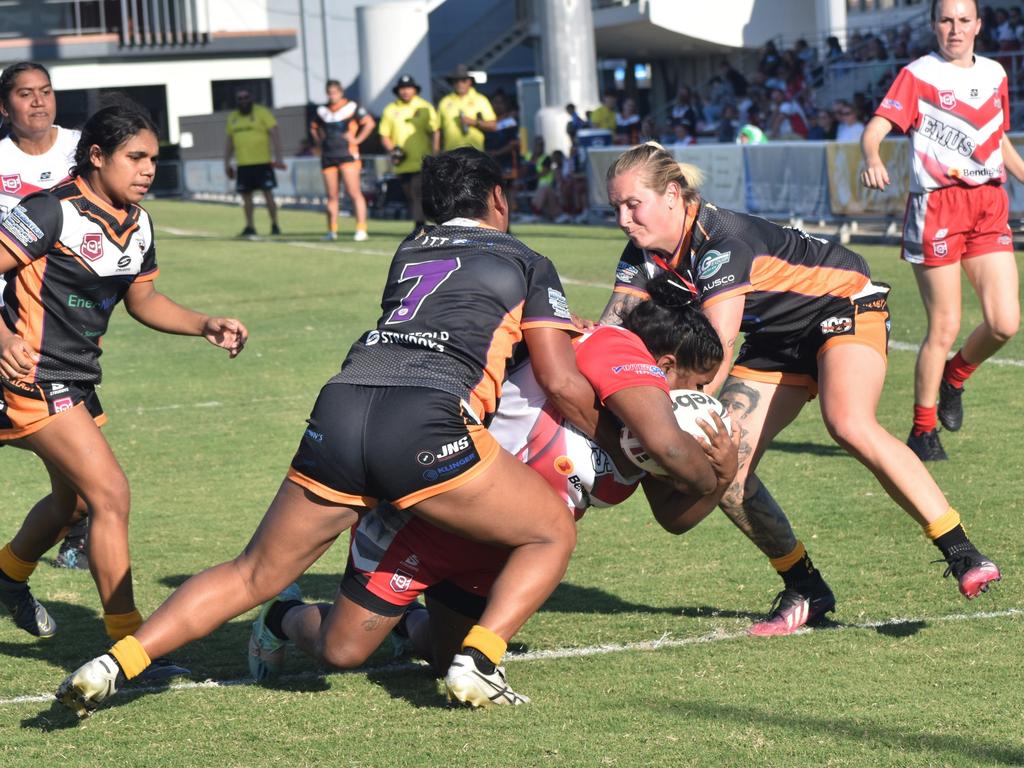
(688, 405)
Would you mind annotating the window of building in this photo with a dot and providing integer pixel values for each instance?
(223, 92)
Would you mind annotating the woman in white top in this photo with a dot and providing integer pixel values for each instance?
(35, 155)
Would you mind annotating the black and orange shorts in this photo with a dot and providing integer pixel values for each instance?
(27, 408)
(398, 444)
(793, 358)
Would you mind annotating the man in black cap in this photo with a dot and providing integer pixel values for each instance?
(465, 113)
(409, 130)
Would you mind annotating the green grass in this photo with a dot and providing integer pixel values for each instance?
(205, 442)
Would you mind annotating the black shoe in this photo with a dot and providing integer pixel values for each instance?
(72, 549)
(275, 230)
(951, 407)
(927, 446)
(248, 232)
(28, 614)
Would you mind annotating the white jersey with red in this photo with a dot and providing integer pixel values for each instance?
(956, 117)
(527, 426)
(22, 174)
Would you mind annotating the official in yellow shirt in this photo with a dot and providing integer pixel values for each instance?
(252, 131)
(465, 113)
(604, 115)
(410, 130)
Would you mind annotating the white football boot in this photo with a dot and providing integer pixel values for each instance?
(467, 684)
(90, 685)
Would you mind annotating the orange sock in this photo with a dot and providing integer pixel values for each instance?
(13, 567)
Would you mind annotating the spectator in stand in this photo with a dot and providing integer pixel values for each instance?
(719, 95)
(686, 110)
(848, 126)
(734, 78)
(604, 116)
(682, 136)
(833, 51)
(466, 115)
(823, 127)
(627, 123)
(728, 125)
(786, 119)
(770, 60)
(649, 129)
(1017, 24)
(575, 121)
(544, 202)
(571, 185)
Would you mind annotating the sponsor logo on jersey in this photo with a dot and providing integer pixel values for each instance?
(56, 388)
(426, 458)
(11, 183)
(723, 280)
(20, 224)
(418, 339)
(559, 304)
(947, 99)
(412, 562)
(316, 437)
(947, 136)
(576, 483)
(92, 245)
(644, 369)
(836, 325)
(941, 233)
(124, 262)
(400, 580)
(45, 176)
(940, 248)
(625, 273)
(63, 404)
(1004, 240)
(453, 448)
(440, 472)
(893, 104)
(564, 465)
(711, 263)
(81, 302)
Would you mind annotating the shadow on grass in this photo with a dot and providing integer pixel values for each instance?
(572, 598)
(969, 751)
(815, 449)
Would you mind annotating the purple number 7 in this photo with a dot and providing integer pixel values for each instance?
(428, 276)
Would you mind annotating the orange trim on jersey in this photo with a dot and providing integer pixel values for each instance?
(15, 249)
(125, 217)
(329, 494)
(146, 277)
(804, 380)
(560, 325)
(508, 333)
(488, 449)
(720, 297)
(31, 314)
(627, 291)
(771, 273)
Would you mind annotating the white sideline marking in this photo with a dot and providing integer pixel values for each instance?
(903, 346)
(665, 641)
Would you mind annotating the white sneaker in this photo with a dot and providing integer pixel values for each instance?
(466, 683)
(563, 218)
(330, 237)
(90, 685)
(360, 236)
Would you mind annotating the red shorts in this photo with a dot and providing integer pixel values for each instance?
(946, 225)
(395, 556)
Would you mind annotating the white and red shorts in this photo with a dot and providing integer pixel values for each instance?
(943, 226)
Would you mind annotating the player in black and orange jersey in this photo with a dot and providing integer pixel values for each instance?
(814, 323)
(339, 128)
(395, 556)
(71, 255)
(404, 421)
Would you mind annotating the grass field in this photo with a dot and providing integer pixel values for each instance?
(638, 659)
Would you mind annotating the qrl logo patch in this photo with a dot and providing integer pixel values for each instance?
(92, 245)
(947, 99)
(940, 248)
(400, 581)
(11, 183)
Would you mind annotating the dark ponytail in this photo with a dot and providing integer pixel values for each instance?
(670, 323)
(108, 129)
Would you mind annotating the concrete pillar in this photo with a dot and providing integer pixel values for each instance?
(399, 29)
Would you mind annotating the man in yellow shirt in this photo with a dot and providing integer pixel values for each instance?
(465, 113)
(604, 116)
(410, 130)
(251, 130)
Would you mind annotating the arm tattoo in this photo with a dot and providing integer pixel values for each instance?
(619, 305)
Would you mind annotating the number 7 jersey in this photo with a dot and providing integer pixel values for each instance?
(457, 300)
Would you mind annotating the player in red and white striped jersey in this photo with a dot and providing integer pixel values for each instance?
(955, 108)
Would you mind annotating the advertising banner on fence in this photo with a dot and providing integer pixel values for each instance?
(786, 178)
(848, 197)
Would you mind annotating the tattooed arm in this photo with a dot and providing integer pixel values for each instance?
(726, 316)
(619, 305)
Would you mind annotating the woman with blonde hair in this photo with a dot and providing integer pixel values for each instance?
(814, 324)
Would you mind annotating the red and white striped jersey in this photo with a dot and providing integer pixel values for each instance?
(956, 117)
(22, 174)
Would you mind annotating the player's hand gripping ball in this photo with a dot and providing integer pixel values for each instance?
(688, 405)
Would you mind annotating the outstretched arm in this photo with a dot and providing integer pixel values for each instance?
(554, 367)
(153, 309)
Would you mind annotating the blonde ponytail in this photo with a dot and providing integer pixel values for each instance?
(658, 168)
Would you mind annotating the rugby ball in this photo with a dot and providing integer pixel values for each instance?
(688, 405)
